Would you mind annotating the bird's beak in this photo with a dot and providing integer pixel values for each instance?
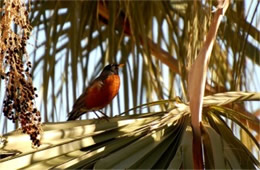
(120, 65)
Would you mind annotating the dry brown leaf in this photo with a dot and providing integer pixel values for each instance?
(197, 78)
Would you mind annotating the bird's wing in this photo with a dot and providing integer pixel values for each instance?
(80, 102)
(79, 106)
(95, 85)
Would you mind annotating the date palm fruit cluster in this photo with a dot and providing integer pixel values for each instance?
(19, 101)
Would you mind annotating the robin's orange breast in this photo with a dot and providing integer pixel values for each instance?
(102, 93)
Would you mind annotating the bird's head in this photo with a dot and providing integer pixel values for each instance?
(112, 68)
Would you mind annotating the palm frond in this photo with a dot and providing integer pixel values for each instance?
(160, 140)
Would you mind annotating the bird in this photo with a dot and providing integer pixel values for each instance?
(99, 93)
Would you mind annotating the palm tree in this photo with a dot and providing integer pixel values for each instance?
(158, 41)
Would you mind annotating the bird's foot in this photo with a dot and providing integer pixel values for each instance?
(104, 115)
(96, 114)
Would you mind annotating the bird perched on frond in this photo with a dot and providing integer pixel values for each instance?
(99, 93)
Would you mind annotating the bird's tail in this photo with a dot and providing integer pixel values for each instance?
(78, 108)
(74, 114)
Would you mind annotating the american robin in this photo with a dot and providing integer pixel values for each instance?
(99, 93)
